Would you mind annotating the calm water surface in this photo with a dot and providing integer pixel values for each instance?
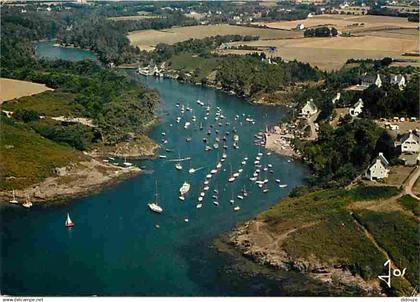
(47, 50)
(115, 248)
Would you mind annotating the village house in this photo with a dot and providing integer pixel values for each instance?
(300, 26)
(410, 143)
(309, 108)
(356, 109)
(379, 168)
(368, 80)
(336, 98)
(397, 79)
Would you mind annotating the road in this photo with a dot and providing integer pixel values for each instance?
(408, 187)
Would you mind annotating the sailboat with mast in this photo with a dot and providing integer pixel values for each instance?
(154, 205)
(27, 204)
(68, 223)
(14, 200)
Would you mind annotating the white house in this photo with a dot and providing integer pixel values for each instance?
(410, 143)
(398, 79)
(309, 108)
(356, 109)
(378, 81)
(336, 98)
(378, 169)
(300, 26)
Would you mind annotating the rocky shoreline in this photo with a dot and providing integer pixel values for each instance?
(88, 176)
(254, 241)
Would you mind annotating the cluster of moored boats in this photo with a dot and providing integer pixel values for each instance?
(219, 134)
(26, 203)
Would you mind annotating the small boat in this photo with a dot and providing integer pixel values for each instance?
(200, 199)
(163, 133)
(268, 153)
(265, 190)
(240, 197)
(246, 158)
(178, 166)
(240, 170)
(184, 188)
(278, 181)
(208, 176)
(214, 171)
(186, 125)
(199, 206)
(202, 194)
(236, 174)
(68, 223)
(188, 139)
(224, 155)
(236, 209)
(260, 154)
(27, 204)
(206, 188)
(269, 165)
(215, 145)
(216, 203)
(231, 179)
(282, 186)
(208, 148)
(186, 220)
(219, 165)
(206, 182)
(126, 163)
(14, 200)
(162, 156)
(181, 197)
(243, 162)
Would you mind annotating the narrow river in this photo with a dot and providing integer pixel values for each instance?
(116, 248)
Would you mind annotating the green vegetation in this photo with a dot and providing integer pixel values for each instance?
(340, 154)
(21, 163)
(49, 103)
(326, 230)
(198, 46)
(411, 204)
(322, 31)
(75, 135)
(397, 233)
(323, 231)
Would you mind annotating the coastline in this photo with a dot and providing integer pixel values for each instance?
(251, 240)
(88, 176)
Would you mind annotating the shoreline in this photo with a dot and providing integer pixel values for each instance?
(247, 238)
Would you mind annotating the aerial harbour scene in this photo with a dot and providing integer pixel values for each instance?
(209, 149)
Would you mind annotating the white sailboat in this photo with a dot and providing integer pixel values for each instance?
(178, 166)
(154, 206)
(27, 204)
(14, 200)
(68, 223)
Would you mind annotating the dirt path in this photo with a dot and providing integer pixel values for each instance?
(378, 246)
(408, 187)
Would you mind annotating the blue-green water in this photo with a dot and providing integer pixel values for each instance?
(49, 51)
(115, 248)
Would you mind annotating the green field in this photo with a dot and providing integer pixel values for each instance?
(411, 204)
(30, 157)
(199, 67)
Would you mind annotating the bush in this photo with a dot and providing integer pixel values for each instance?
(26, 115)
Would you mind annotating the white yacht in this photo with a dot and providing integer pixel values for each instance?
(184, 188)
(14, 200)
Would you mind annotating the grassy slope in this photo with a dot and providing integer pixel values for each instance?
(50, 103)
(188, 63)
(27, 158)
(328, 233)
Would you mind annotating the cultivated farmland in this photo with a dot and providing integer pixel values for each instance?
(148, 39)
(13, 89)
